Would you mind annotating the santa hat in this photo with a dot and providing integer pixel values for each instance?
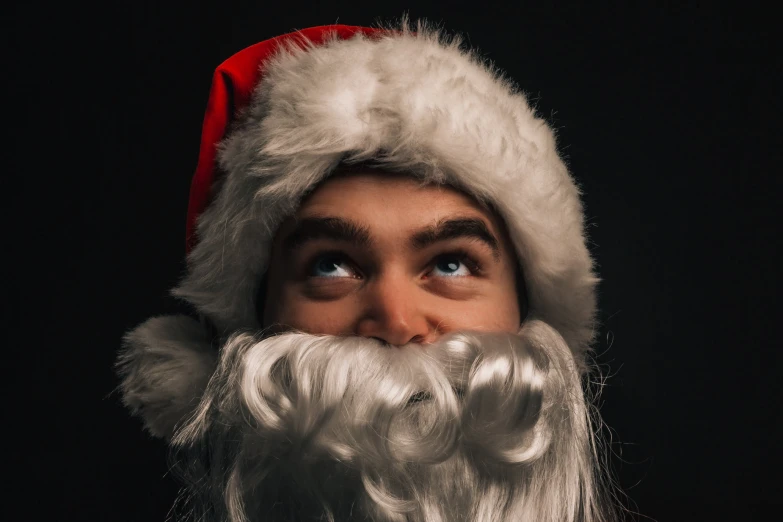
(284, 113)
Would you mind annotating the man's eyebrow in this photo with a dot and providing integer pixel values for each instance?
(445, 229)
(334, 228)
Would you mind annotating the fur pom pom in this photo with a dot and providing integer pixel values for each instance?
(165, 365)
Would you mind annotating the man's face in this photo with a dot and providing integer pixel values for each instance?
(379, 255)
(331, 421)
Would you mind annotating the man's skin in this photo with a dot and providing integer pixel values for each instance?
(381, 255)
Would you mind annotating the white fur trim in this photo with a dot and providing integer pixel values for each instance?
(164, 366)
(418, 104)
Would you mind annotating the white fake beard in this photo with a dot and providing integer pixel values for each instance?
(478, 427)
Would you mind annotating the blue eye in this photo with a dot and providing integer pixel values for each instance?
(451, 266)
(330, 266)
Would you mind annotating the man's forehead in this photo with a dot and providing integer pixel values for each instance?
(362, 205)
(339, 220)
(377, 192)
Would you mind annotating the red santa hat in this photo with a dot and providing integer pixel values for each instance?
(284, 113)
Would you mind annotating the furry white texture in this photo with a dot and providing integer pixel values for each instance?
(298, 427)
(164, 366)
(419, 104)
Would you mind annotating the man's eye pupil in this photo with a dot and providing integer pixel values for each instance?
(327, 265)
(449, 265)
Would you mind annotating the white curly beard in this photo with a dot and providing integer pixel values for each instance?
(478, 427)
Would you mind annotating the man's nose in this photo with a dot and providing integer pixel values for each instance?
(391, 312)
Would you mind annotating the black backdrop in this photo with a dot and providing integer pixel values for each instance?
(669, 117)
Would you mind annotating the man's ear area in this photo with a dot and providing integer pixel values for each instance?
(164, 367)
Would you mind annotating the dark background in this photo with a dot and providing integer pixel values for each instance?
(668, 116)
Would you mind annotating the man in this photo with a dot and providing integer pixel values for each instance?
(388, 259)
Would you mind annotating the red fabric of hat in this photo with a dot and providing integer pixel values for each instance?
(232, 87)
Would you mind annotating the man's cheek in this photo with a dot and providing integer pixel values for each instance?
(319, 317)
(483, 316)
(326, 289)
